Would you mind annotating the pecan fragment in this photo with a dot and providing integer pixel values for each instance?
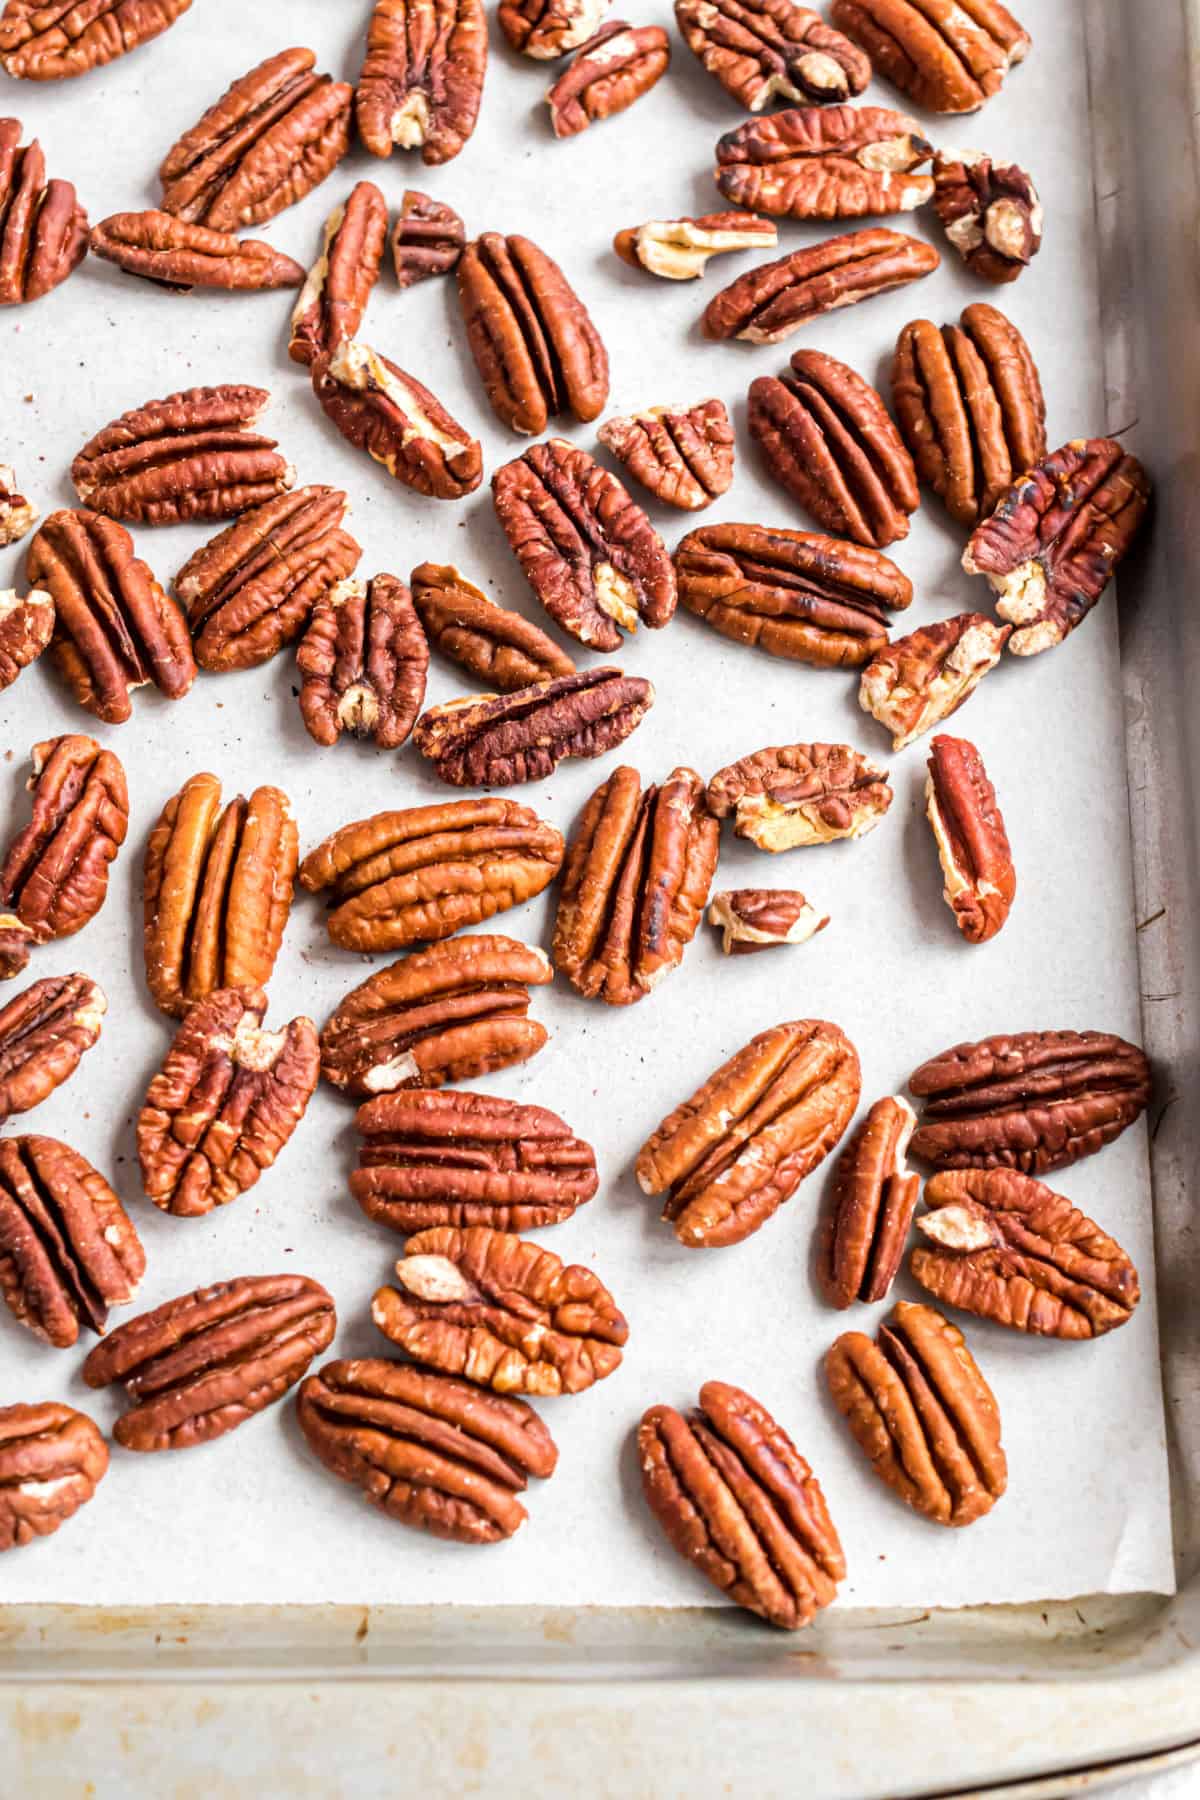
(947, 55)
(761, 50)
(338, 286)
(52, 1459)
(422, 80)
(427, 239)
(180, 256)
(449, 1013)
(43, 228)
(54, 875)
(684, 455)
(273, 136)
(52, 40)
(920, 1409)
(972, 844)
(44, 1030)
(204, 1363)
(468, 1159)
(727, 1158)
(16, 941)
(26, 626)
(486, 741)
(67, 1248)
(1050, 547)
(990, 212)
(505, 650)
(774, 299)
(546, 29)
(381, 409)
(17, 516)
(501, 1312)
(917, 681)
(791, 795)
(794, 594)
(753, 919)
(431, 1452)
(608, 73)
(874, 1198)
(679, 249)
(812, 162)
(362, 663)
(736, 1498)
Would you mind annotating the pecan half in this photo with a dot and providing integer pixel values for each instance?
(972, 844)
(1033, 1100)
(762, 50)
(684, 455)
(52, 1459)
(947, 55)
(813, 162)
(1050, 547)
(753, 919)
(485, 741)
(728, 1157)
(449, 1013)
(26, 627)
(427, 239)
(736, 1498)
(16, 941)
(679, 249)
(501, 1312)
(429, 1451)
(273, 136)
(917, 681)
(17, 516)
(969, 403)
(67, 1248)
(216, 890)
(422, 80)
(791, 795)
(338, 286)
(204, 1363)
(251, 589)
(794, 594)
(769, 302)
(383, 410)
(612, 70)
(534, 344)
(54, 876)
(468, 1159)
(44, 1030)
(505, 650)
(920, 1409)
(181, 256)
(362, 662)
(52, 40)
(546, 29)
(874, 1198)
(43, 228)
(990, 212)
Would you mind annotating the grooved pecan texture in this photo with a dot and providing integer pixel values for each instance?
(753, 919)
(381, 409)
(972, 844)
(422, 80)
(874, 1198)
(917, 681)
(947, 55)
(611, 71)
(774, 299)
(43, 228)
(16, 941)
(684, 455)
(545, 29)
(52, 1460)
(26, 626)
(17, 517)
(44, 1030)
(762, 50)
(790, 795)
(52, 40)
(506, 651)
(177, 255)
(54, 875)
(362, 663)
(990, 212)
(493, 742)
(679, 249)
(812, 162)
(334, 297)
(427, 239)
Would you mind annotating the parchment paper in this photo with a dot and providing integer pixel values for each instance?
(254, 1517)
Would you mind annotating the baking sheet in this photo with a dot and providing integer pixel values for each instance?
(253, 1518)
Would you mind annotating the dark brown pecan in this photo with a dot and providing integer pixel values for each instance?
(52, 1459)
(181, 256)
(51, 40)
(523, 736)
(796, 794)
(204, 1363)
(736, 1498)
(362, 662)
(505, 650)
(54, 876)
(612, 70)
(917, 681)
(774, 299)
(874, 1198)
(429, 1451)
(44, 1030)
(947, 55)
(468, 1159)
(16, 941)
(427, 239)
(26, 627)
(1050, 547)
(969, 403)
(761, 50)
(990, 212)
(17, 517)
(335, 294)
(679, 249)
(813, 162)
(383, 410)
(43, 228)
(545, 29)
(794, 594)
(251, 589)
(67, 1248)
(753, 919)
(502, 1312)
(972, 844)
(273, 136)
(684, 455)
(422, 81)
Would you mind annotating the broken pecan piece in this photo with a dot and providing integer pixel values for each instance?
(502, 1312)
(362, 663)
(769, 302)
(736, 1498)
(430, 1452)
(728, 1157)
(762, 50)
(679, 249)
(684, 455)
(16, 941)
(546, 29)
(52, 40)
(383, 410)
(422, 80)
(43, 228)
(813, 162)
(791, 795)
(52, 1459)
(338, 286)
(44, 1030)
(754, 919)
(874, 1198)
(608, 73)
(204, 1363)
(947, 55)
(917, 681)
(26, 627)
(17, 516)
(490, 741)
(972, 844)
(180, 256)
(505, 650)
(427, 239)
(990, 212)
(468, 1159)
(54, 876)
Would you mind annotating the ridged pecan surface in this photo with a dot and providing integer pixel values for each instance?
(774, 299)
(52, 1460)
(947, 55)
(362, 663)
(16, 941)
(180, 256)
(753, 919)
(545, 29)
(790, 795)
(54, 875)
(608, 73)
(427, 239)
(684, 455)
(990, 211)
(874, 1198)
(762, 50)
(44, 1030)
(972, 844)
(26, 627)
(483, 741)
(422, 81)
(383, 410)
(17, 516)
(52, 40)
(679, 249)
(813, 162)
(43, 228)
(334, 297)
(917, 681)
(505, 650)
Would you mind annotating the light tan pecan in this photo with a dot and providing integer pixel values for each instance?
(383, 410)
(422, 80)
(762, 50)
(874, 1198)
(791, 795)
(752, 919)
(607, 74)
(679, 249)
(54, 875)
(335, 293)
(506, 651)
(919, 680)
(52, 40)
(774, 299)
(495, 741)
(546, 29)
(427, 239)
(44, 1030)
(990, 211)
(17, 515)
(684, 455)
(728, 1157)
(52, 1459)
(362, 663)
(43, 228)
(16, 941)
(26, 627)
(814, 162)
(947, 55)
(972, 844)
(180, 256)
(502, 1312)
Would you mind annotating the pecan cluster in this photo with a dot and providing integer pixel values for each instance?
(44, 1031)
(972, 844)
(53, 40)
(917, 681)
(762, 50)
(54, 874)
(612, 70)
(422, 80)
(874, 1198)
(790, 795)
(338, 286)
(43, 228)
(506, 651)
(362, 663)
(427, 239)
(812, 162)
(679, 249)
(523, 736)
(176, 255)
(774, 299)
(683, 455)
(948, 57)
(753, 919)
(383, 410)
(52, 1459)
(989, 211)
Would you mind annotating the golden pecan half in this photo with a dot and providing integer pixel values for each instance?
(180, 256)
(44, 1030)
(545, 29)
(814, 162)
(422, 80)
(752, 919)
(26, 626)
(990, 211)
(972, 844)
(427, 239)
(381, 409)
(54, 876)
(17, 515)
(917, 681)
(684, 455)
(362, 662)
(947, 55)
(679, 249)
(761, 50)
(336, 290)
(774, 299)
(495, 741)
(506, 651)
(608, 73)
(52, 40)
(797, 794)
(43, 228)
(874, 1198)
(52, 1459)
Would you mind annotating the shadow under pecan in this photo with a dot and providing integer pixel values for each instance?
(383, 410)
(769, 302)
(334, 297)
(53, 40)
(498, 645)
(43, 228)
(608, 73)
(52, 1459)
(990, 212)
(813, 162)
(17, 516)
(496, 741)
(427, 239)
(762, 50)
(915, 682)
(362, 663)
(545, 29)
(947, 55)
(454, 1158)
(679, 249)
(26, 626)
(972, 844)
(874, 1198)
(791, 795)
(429, 1451)
(44, 1030)
(753, 919)
(422, 80)
(204, 1363)
(54, 875)
(684, 455)
(180, 256)
(501, 1312)
(736, 1498)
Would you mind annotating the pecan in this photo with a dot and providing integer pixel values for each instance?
(51, 40)
(54, 876)
(754, 919)
(44, 1030)
(273, 136)
(684, 455)
(796, 794)
(501, 1312)
(216, 890)
(427, 239)
(917, 681)
(794, 594)
(612, 70)
(67, 1248)
(972, 844)
(990, 212)
(1050, 547)
(812, 162)
(546, 29)
(17, 516)
(534, 344)
(181, 256)
(43, 228)
(495, 741)
(429, 1451)
(969, 403)
(468, 1159)
(52, 1459)
(204, 1363)
(774, 299)
(679, 249)
(26, 626)
(250, 590)
(736, 1498)
(947, 55)
(920, 1409)
(362, 663)
(16, 941)
(874, 1198)
(338, 286)
(761, 50)
(449, 1013)
(730, 1156)
(502, 648)
(422, 80)
(1033, 1100)
(383, 410)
